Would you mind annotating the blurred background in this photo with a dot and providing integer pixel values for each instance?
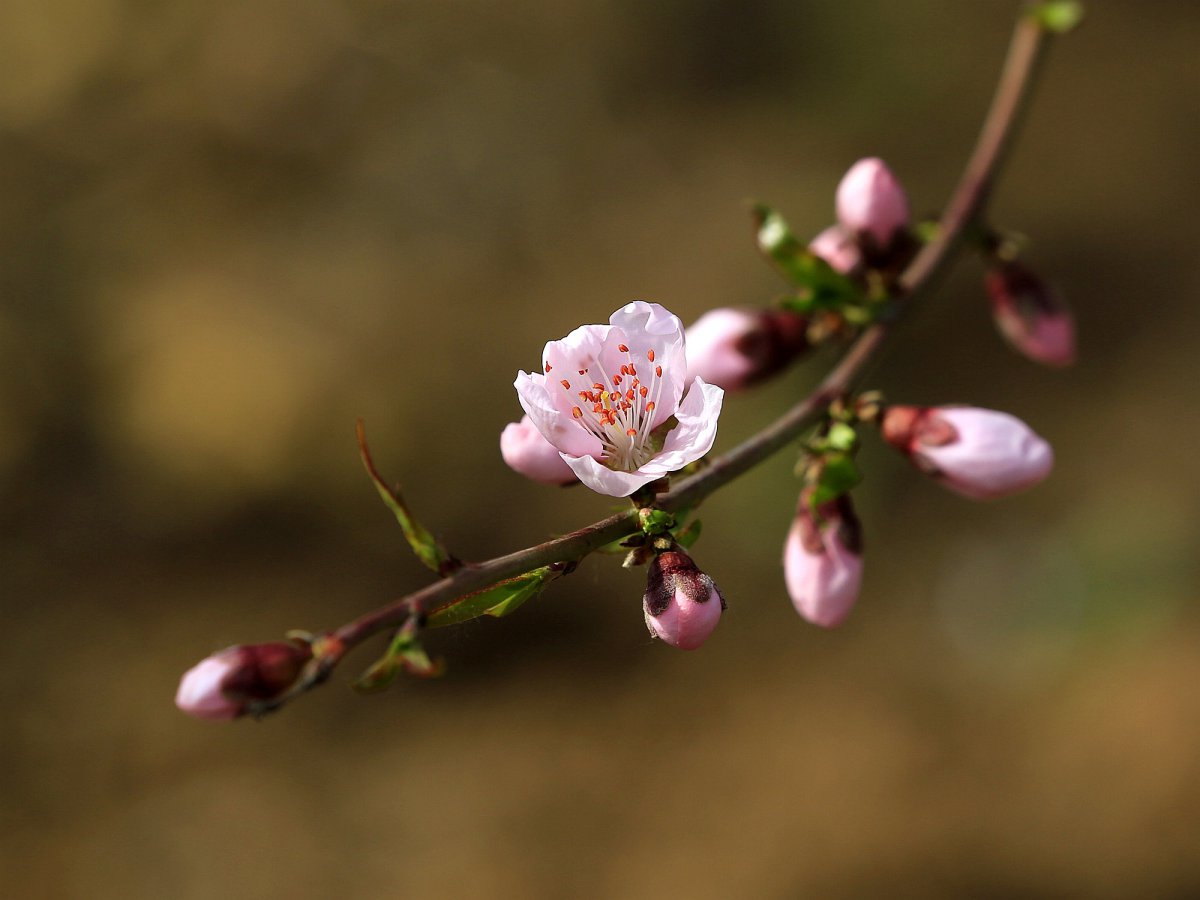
(229, 228)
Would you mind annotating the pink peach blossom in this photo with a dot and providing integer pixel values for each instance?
(1030, 315)
(682, 605)
(837, 248)
(527, 452)
(870, 201)
(229, 683)
(605, 389)
(734, 348)
(979, 453)
(822, 562)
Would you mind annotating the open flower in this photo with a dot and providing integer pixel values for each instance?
(605, 396)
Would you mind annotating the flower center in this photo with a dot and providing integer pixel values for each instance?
(619, 408)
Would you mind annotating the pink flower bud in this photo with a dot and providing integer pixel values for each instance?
(871, 202)
(734, 348)
(228, 684)
(822, 561)
(682, 605)
(527, 452)
(1030, 315)
(980, 453)
(837, 248)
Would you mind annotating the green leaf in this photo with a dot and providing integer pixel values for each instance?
(1059, 16)
(496, 601)
(819, 285)
(838, 474)
(426, 547)
(404, 654)
(842, 436)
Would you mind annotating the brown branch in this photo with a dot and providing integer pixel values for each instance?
(964, 206)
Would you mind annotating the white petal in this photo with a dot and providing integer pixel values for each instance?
(603, 480)
(696, 431)
(557, 427)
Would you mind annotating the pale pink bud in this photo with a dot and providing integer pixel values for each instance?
(980, 453)
(1030, 315)
(871, 202)
(734, 348)
(527, 452)
(230, 683)
(682, 605)
(822, 561)
(837, 248)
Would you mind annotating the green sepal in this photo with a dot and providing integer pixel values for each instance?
(496, 601)
(404, 654)
(426, 547)
(655, 521)
(841, 437)
(1058, 16)
(819, 285)
(838, 474)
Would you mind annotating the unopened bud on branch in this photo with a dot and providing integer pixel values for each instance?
(682, 605)
(527, 452)
(734, 348)
(822, 561)
(1030, 315)
(838, 248)
(979, 453)
(870, 202)
(230, 683)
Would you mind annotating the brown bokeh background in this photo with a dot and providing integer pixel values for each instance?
(229, 228)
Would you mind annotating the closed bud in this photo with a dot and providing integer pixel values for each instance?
(682, 605)
(871, 203)
(734, 348)
(822, 561)
(1031, 316)
(527, 452)
(837, 248)
(231, 683)
(979, 453)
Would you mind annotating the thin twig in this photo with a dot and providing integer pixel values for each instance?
(964, 206)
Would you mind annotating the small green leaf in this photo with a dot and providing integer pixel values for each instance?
(426, 547)
(496, 601)
(404, 654)
(842, 436)
(838, 474)
(1059, 16)
(819, 285)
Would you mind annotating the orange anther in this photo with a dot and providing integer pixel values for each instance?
(650, 355)
(632, 432)
(643, 390)
(650, 406)
(566, 384)
(658, 371)
(622, 348)
(549, 367)
(577, 412)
